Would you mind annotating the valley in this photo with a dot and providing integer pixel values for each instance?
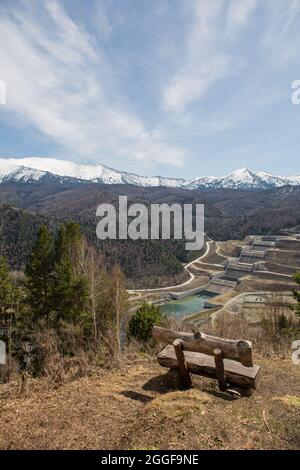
(149, 230)
(225, 282)
(239, 285)
(249, 259)
(229, 215)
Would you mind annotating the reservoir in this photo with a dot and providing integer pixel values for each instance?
(187, 306)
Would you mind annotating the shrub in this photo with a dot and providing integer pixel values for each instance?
(141, 323)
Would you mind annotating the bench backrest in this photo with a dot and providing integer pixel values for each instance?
(236, 350)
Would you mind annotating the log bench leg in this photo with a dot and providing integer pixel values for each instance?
(185, 378)
(220, 369)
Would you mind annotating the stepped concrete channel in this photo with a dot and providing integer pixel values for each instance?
(250, 262)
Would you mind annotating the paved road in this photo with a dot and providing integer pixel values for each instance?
(186, 267)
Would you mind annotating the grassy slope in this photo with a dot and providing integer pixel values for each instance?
(141, 408)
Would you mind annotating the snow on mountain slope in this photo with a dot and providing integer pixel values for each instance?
(40, 169)
(33, 169)
(56, 167)
(293, 180)
(247, 179)
(244, 179)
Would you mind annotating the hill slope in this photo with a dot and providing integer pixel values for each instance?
(141, 408)
(229, 214)
(144, 263)
(18, 231)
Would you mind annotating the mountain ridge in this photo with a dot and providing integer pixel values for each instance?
(29, 170)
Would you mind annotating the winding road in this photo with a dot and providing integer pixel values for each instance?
(186, 267)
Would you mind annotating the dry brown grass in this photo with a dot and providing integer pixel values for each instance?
(221, 424)
(179, 403)
(267, 338)
(141, 407)
(230, 249)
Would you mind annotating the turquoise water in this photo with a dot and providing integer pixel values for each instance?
(187, 306)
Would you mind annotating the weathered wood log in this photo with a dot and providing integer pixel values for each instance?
(185, 378)
(202, 364)
(238, 350)
(219, 363)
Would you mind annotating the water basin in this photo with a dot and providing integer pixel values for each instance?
(188, 306)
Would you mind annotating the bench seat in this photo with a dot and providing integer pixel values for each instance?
(203, 364)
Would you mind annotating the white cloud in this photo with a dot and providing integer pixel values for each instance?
(64, 86)
(282, 32)
(101, 21)
(207, 60)
(202, 66)
(189, 87)
(2, 92)
(95, 89)
(239, 11)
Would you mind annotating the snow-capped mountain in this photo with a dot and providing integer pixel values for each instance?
(29, 170)
(244, 179)
(36, 169)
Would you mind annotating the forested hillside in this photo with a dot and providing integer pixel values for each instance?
(18, 231)
(144, 263)
(229, 214)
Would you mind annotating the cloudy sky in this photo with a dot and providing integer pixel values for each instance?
(171, 87)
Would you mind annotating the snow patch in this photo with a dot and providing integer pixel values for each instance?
(35, 169)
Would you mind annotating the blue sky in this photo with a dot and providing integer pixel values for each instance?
(172, 87)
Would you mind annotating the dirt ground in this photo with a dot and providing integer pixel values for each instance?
(142, 408)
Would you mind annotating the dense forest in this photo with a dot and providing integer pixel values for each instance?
(145, 263)
(229, 214)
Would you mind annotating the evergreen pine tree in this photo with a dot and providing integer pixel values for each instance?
(6, 289)
(39, 274)
(70, 292)
(297, 294)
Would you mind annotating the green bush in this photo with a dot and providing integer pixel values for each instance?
(141, 323)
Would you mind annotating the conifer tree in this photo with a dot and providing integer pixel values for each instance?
(39, 274)
(67, 243)
(6, 289)
(70, 292)
(297, 294)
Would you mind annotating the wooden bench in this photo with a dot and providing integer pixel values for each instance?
(228, 361)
